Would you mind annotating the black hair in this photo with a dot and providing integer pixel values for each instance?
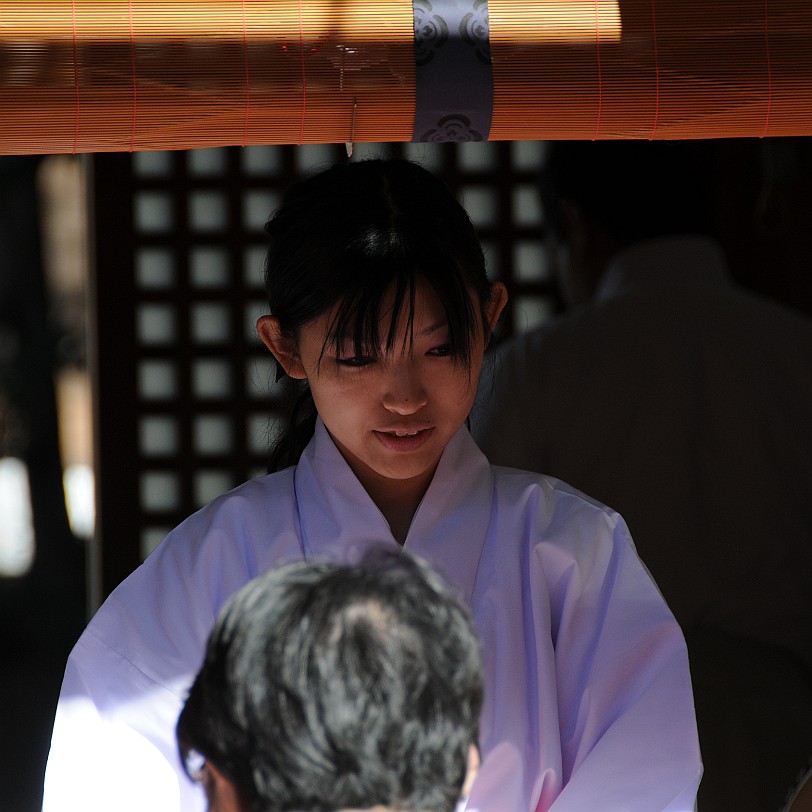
(637, 190)
(349, 235)
(328, 686)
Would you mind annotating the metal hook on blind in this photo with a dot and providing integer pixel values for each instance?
(349, 144)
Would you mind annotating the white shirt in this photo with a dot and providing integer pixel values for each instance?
(588, 701)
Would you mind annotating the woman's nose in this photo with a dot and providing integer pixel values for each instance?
(403, 392)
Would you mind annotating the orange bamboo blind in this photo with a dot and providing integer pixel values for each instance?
(118, 75)
(678, 69)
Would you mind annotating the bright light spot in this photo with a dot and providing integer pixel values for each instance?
(80, 500)
(16, 525)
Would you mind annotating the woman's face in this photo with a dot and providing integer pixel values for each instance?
(391, 415)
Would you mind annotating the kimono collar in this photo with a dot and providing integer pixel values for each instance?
(339, 520)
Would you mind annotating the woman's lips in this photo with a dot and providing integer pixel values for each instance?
(404, 439)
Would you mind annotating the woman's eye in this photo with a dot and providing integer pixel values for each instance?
(442, 351)
(356, 361)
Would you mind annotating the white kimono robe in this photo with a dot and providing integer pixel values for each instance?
(588, 704)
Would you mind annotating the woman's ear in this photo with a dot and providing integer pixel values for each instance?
(496, 304)
(281, 346)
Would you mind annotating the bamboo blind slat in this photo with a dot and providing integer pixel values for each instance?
(92, 76)
(679, 69)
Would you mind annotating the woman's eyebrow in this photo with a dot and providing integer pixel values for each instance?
(338, 340)
(433, 328)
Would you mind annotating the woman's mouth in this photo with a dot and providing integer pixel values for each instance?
(403, 439)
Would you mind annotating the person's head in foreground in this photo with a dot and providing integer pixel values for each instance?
(332, 687)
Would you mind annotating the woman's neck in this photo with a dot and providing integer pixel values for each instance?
(397, 499)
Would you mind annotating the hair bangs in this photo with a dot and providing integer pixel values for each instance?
(384, 286)
(465, 322)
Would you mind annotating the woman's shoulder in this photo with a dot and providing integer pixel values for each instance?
(241, 525)
(565, 537)
(202, 561)
(253, 510)
(518, 484)
(265, 498)
(553, 512)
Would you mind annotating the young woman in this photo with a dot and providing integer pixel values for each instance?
(380, 302)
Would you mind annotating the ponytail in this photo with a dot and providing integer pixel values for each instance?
(298, 432)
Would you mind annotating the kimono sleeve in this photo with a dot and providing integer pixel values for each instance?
(113, 745)
(626, 712)
(111, 751)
